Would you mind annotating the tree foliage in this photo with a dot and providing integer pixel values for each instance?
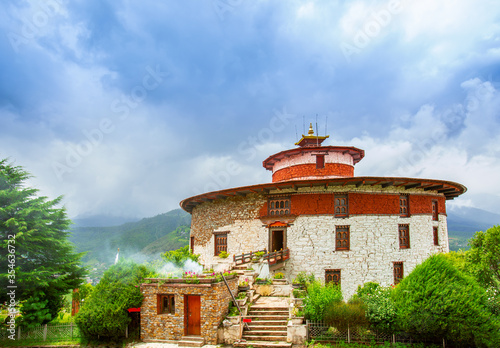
(43, 264)
(105, 311)
(483, 258)
(180, 256)
(438, 301)
(343, 315)
(379, 306)
(319, 298)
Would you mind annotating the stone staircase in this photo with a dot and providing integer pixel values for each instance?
(191, 341)
(268, 327)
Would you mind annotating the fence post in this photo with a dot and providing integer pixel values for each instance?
(394, 338)
(45, 332)
(348, 334)
(71, 329)
(444, 344)
(126, 331)
(19, 332)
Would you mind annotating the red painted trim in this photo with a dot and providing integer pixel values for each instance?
(132, 310)
(310, 169)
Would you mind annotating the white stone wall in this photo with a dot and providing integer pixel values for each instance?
(374, 246)
(310, 158)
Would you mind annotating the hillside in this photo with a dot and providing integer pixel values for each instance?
(141, 240)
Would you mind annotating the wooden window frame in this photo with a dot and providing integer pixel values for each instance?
(160, 304)
(435, 210)
(320, 161)
(342, 242)
(218, 237)
(404, 206)
(338, 205)
(398, 271)
(435, 235)
(191, 244)
(279, 206)
(330, 274)
(404, 241)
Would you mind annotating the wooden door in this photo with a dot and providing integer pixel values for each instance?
(192, 308)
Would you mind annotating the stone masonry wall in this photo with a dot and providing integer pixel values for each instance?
(215, 300)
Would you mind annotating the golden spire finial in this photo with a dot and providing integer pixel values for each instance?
(311, 130)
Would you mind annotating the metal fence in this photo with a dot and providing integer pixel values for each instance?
(47, 332)
(319, 331)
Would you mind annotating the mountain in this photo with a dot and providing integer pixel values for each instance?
(101, 221)
(141, 240)
(463, 222)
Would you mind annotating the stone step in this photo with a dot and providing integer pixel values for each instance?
(268, 312)
(267, 317)
(268, 308)
(262, 344)
(191, 341)
(268, 322)
(273, 338)
(258, 328)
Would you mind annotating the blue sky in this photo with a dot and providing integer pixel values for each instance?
(128, 107)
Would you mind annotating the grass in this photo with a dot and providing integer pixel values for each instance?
(28, 343)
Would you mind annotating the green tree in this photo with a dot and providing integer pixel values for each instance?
(483, 258)
(105, 311)
(437, 301)
(42, 262)
(180, 256)
(319, 298)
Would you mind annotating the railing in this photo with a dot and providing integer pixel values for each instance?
(50, 332)
(319, 331)
(245, 258)
(277, 256)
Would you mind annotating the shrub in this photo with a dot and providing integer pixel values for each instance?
(180, 256)
(223, 254)
(343, 315)
(299, 293)
(438, 301)
(380, 310)
(319, 298)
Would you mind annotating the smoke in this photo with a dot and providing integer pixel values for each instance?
(171, 270)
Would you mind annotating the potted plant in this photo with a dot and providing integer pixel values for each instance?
(300, 280)
(257, 256)
(223, 254)
(297, 316)
(241, 299)
(233, 315)
(243, 285)
(260, 281)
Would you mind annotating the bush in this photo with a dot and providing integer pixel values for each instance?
(438, 301)
(342, 315)
(279, 275)
(380, 310)
(223, 254)
(319, 298)
(105, 311)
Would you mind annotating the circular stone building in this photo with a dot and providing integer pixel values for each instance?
(343, 228)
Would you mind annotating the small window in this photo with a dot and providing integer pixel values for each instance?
(320, 161)
(403, 206)
(279, 206)
(332, 276)
(342, 238)
(398, 272)
(435, 234)
(166, 304)
(220, 242)
(191, 244)
(404, 236)
(435, 210)
(341, 205)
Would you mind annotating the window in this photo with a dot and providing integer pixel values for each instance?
(342, 240)
(191, 244)
(166, 304)
(435, 234)
(279, 206)
(320, 161)
(404, 236)
(435, 210)
(341, 204)
(398, 272)
(332, 276)
(403, 206)
(220, 242)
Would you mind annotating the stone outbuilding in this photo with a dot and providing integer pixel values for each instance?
(340, 227)
(178, 309)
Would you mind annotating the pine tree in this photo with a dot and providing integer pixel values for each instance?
(38, 262)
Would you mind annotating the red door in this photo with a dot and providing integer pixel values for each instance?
(192, 307)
